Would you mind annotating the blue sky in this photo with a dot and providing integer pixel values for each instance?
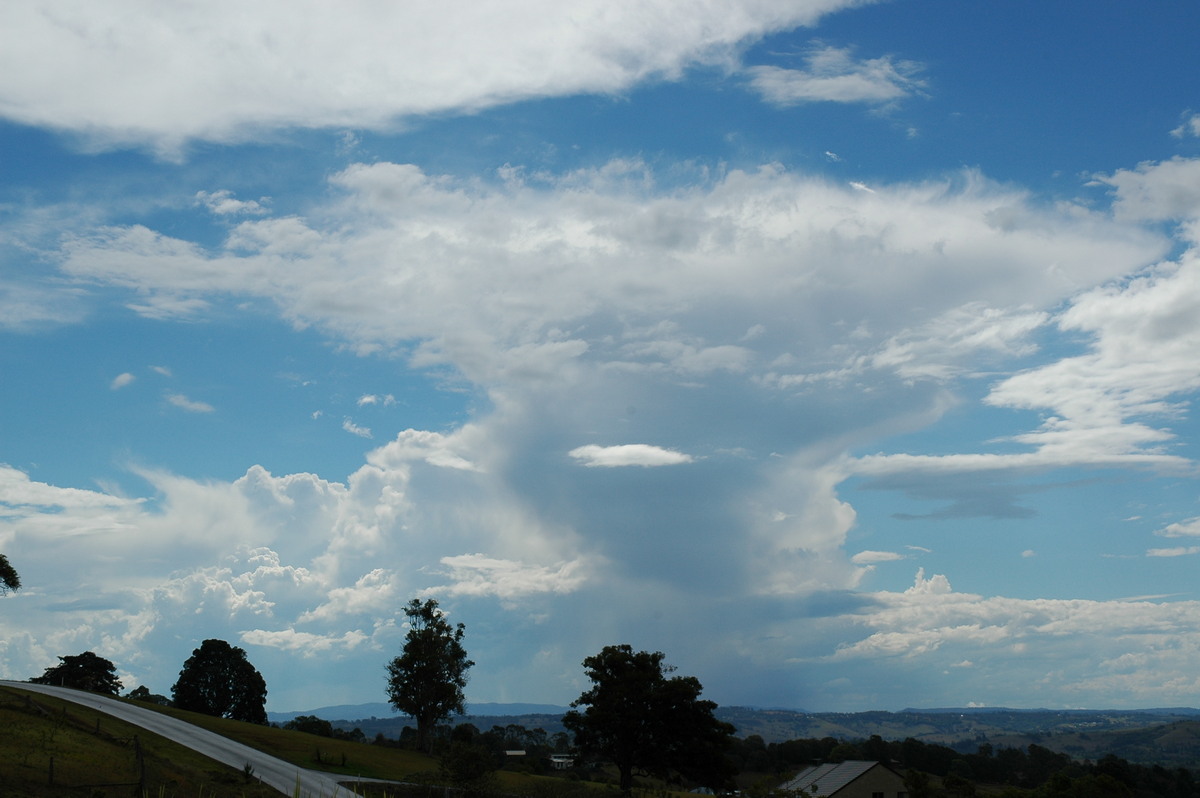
(843, 351)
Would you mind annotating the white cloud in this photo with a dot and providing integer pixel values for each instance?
(961, 340)
(1179, 551)
(799, 257)
(1097, 406)
(1024, 646)
(480, 575)
(373, 592)
(121, 380)
(223, 203)
(1164, 190)
(447, 451)
(1189, 527)
(25, 307)
(354, 429)
(1189, 127)
(869, 557)
(936, 584)
(164, 307)
(374, 399)
(190, 405)
(306, 644)
(833, 75)
(629, 454)
(17, 490)
(364, 64)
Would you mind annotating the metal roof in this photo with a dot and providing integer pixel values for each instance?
(827, 779)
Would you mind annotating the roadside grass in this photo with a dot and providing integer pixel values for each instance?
(56, 749)
(340, 757)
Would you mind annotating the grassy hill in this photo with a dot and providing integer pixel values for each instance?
(1170, 745)
(57, 749)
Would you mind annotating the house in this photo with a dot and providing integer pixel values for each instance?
(850, 779)
(562, 761)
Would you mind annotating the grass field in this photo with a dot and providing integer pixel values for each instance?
(341, 757)
(57, 749)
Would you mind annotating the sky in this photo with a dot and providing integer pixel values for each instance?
(843, 351)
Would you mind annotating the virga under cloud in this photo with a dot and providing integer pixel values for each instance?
(706, 396)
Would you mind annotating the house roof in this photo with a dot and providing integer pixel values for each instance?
(827, 779)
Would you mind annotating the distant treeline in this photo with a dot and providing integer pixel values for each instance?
(1029, 771)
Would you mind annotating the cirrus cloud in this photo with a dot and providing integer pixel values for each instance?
(833, 75)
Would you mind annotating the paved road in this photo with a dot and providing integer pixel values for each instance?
(283, 776)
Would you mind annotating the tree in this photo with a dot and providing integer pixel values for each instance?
(9, 580)
(310, 724)
(639, 719)
(84, 671)
(426, 680)
(218, 680)
(142, 693)
(467, 764)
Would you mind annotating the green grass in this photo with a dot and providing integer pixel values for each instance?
(340, 757)
(58, 749)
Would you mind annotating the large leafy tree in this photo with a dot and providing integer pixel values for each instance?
(85, 671)
(218, 680)
(426, 680)
(9, 580)
(641, 719)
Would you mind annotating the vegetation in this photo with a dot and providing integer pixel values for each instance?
(938, 771)
(218, 680)
(426, 680)
(639, 719)
(311, 724)
(142, 693)
(58, 749)
(84, 671)
(9, 580)
(636, 720)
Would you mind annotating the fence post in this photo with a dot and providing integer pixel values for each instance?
(141, 765)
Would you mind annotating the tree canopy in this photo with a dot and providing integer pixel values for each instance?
(9, 579)
(218, 680)
(85, 671)
(640, 719)
(142, 693)
(426, 680)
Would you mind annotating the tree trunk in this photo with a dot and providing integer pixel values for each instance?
(425, 735)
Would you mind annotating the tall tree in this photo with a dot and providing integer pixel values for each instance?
(9, 580)
(218, 680)
(84, 671)
(642, 720)
(426, 680)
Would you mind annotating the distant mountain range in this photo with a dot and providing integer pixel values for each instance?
(942, 725)
(384, 710)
